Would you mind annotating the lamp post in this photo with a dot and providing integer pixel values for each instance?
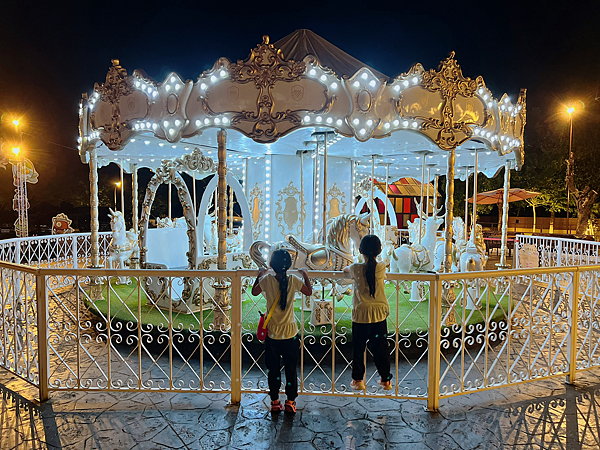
(117, 185)
(570, 111)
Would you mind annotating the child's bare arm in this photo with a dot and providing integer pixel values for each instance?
(256, 289)
(307, 288)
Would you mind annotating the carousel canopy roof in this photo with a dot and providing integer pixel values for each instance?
(270, 104)
(302, 43)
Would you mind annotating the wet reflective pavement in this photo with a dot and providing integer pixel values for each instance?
(541, 415)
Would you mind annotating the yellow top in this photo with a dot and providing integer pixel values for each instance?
(366, 308)
(283, 323)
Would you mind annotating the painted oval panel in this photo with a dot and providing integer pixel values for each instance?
(172, 103)
(364, 100)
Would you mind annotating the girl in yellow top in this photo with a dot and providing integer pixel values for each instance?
(282, 340)
(369, 313)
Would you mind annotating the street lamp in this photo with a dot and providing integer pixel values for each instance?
(117, 185)
(570, 111)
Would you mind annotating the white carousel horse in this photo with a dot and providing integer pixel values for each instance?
(390, 243)
(210, 234)
(122, 245)
(211, 239)
(335, 254)
(418, 257)
(459, 246)
(178, 222)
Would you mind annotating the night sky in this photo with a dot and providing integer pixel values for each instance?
(50, 55)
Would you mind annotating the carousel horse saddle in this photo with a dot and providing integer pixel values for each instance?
(316, 254)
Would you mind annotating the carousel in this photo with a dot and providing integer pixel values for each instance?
(300, 133)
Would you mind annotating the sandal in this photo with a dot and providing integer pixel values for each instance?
(386, 385)
(357, 385)
(276, 406)
(290, 406)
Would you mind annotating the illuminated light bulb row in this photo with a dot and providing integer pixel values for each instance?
(216, 121)
(485, 134)
(222, 73)
(145, 126)
(170, 128)
(244, 174)
(147, 87)
(94, 135)
(400, 85)
(365, 79)
(173, 84)
(319, 119)
(267, 196)
(516, 110)
(323, 78)
(93, 99)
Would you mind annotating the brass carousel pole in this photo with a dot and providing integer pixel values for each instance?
(385, 215)
(372, 202)
(302, 212)
(194, 191)
(221, 320)
(135, 257)
(122, 193)
(503, 264)
(324, 201)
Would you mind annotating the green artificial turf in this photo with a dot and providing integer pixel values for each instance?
(412, 317)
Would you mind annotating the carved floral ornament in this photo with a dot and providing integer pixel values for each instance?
(267, 96)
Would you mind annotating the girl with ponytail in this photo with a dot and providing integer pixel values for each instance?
(370, 310)
(282, 340)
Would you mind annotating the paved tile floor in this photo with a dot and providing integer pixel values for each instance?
(542, 415)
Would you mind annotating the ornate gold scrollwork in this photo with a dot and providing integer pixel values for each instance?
(265, 67)
(117, 85)
(255, 199)
(247, 262)
(337, 202)
(288, 209)
(449, 81)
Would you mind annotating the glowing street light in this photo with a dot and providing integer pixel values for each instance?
(16, 150)
(16, 122)
(570, 111)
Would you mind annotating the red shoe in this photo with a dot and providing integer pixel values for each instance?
(276, 406)
(290, 406)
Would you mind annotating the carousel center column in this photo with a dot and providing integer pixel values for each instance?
(221, 320)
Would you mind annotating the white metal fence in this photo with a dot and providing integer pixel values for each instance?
(558, 252)
(472, 332)
(54, 251)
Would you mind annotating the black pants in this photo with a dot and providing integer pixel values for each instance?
(288, 349)
(376, 334)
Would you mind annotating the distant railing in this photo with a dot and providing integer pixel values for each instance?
(54, 251)
(556, 252)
